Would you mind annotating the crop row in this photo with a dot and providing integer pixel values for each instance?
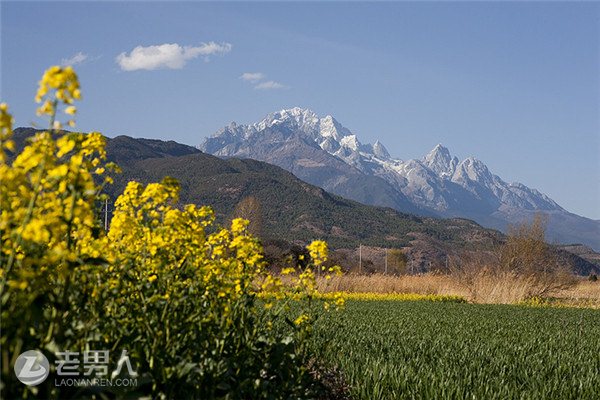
(444, 350)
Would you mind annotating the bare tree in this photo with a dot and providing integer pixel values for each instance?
(249, 208)
(397, 261)
(524, 266)
(526, 253)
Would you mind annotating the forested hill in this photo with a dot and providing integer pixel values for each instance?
(286, 208)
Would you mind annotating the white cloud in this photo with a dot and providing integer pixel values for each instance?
(168, 55)
(258, 78)
(270, 85)
(252, 76)
(76, 59)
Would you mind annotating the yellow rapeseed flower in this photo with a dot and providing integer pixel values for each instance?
(318, 251)
(239, 225)
(301, 320)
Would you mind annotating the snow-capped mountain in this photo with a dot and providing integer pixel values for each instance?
(323, 152)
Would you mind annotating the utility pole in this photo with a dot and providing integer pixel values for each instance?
(386, 260)
(359, 259)
(106, 214)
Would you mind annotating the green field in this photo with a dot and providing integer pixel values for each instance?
(426, 350)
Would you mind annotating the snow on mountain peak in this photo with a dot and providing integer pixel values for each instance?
(351, 142)
(329, 127)
(440, 161)
(380, 151)
(439, 152)
(294, 117)
(472, 169)
(437, 181)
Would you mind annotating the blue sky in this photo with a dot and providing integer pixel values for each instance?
(514, 84)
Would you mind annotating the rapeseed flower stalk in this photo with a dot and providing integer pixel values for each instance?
(6, 122)
(191, 301)
(59, 85)
(318, 252)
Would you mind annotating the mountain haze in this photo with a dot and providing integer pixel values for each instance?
(321, 151)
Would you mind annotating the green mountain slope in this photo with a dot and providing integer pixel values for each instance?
(291, 211)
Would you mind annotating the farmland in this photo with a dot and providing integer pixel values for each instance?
(421, 349)
(200, 310)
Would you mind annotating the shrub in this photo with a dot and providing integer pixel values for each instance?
(523, 267)
(398, 261)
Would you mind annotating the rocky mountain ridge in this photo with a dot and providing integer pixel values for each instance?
(323, 152)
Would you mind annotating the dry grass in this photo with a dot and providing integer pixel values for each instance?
(523, 269)
(584, 290)
(378, 283)
(584, 293)
(507, 289)
(503, 288)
